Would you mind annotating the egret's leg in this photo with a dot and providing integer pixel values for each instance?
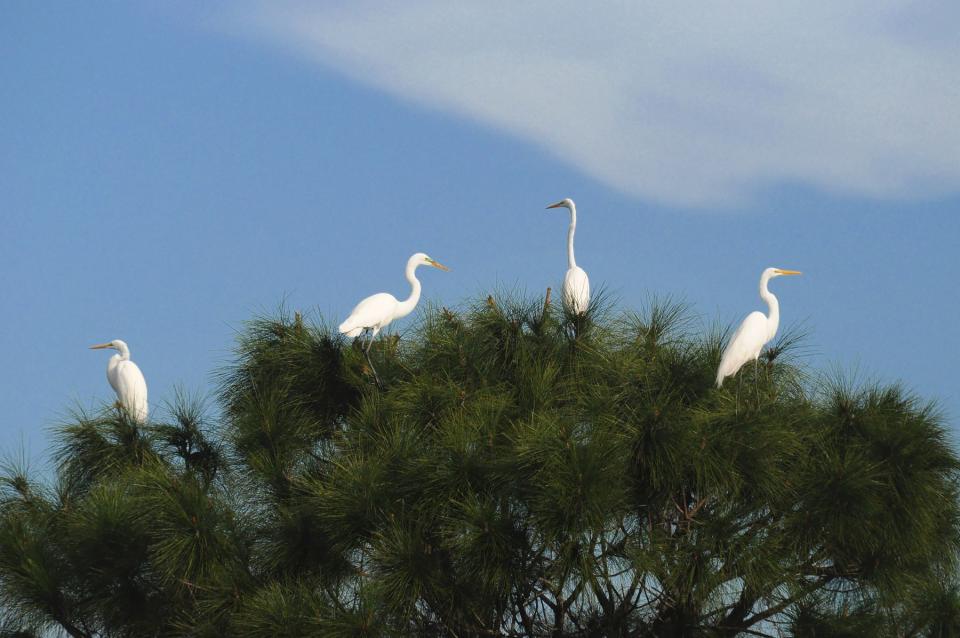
(368, 334)
(366, 351)
(756, 376)
(739, 383)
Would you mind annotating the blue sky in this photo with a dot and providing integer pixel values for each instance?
(168, 172)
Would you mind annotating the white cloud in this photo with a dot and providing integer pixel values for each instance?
(691, 103)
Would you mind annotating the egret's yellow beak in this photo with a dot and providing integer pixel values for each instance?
(788, 272)
(101, 346)
(557, 205)
(437, 264)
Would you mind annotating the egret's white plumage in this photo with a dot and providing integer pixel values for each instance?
(576, 284)
(373, 313)
(126, 380)
(376, 311)
(755, 331)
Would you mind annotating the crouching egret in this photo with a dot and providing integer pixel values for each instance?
(127, 380)
(755, 331)
(376, 311)
(576, 285)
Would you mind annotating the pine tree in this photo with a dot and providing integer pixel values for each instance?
(521, 473)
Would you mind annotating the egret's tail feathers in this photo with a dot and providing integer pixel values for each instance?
(720, 378)
(349, 329)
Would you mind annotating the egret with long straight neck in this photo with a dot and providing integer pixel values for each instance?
(576, 284)
(375, 312)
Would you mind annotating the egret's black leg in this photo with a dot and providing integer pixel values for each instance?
(739, 384)
(366, 351)
(756, 377)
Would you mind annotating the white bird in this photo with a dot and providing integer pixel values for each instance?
(755, 331)
(576, 285)
(376, 311)
(127, 380)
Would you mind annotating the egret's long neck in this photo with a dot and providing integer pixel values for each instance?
(407, 305)
(773, 318)
(571, 260)
(123, 352)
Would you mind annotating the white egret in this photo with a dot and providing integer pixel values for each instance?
(376, 311)
(576, 285)
(127, 380)
(755, 331)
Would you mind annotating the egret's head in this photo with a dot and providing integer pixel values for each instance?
(116, 344)
(565, 203)
(770, 273)
(423, 259)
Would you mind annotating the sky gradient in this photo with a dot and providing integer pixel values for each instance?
(167, 173)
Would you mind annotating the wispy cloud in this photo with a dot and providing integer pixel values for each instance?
(692, 103)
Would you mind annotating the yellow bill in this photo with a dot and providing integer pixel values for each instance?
(437, 264)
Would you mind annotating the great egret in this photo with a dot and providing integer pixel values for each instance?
(576, 285)
(376, 311)
(127, 380)
(755, 331)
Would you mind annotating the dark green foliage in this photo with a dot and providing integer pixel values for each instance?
(521, 472)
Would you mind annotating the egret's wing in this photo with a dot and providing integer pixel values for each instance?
(131, 389)
(370, 312)
(744, 345)
(576, 290)
(112, 374)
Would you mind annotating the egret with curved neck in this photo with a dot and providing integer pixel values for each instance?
(755, 332)
(126, 380)
(375, 312)
(576, 284)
